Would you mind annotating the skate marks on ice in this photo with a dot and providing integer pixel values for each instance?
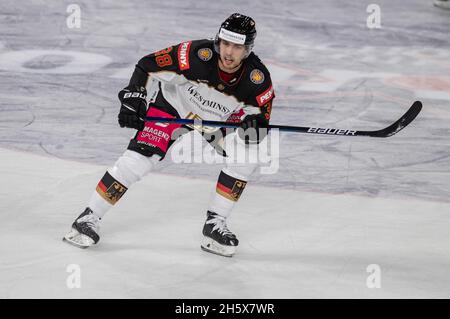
(328, 69)
(315, 246)
(357, 97)
(329, 97)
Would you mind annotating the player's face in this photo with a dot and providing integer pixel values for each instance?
(231, 55)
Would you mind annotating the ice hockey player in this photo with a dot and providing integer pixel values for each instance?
(212, 79)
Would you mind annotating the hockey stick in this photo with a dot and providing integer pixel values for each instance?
(392, 129)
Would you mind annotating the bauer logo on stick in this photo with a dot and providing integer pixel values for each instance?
(331, 131)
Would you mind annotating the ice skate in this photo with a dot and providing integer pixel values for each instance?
(84, 231)
(217, 238)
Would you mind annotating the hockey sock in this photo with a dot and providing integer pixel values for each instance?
(128, 169)
(228, 191)
(107, 193)
(110, 189)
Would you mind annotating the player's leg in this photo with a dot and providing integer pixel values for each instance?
(217, 238)
(127, 170)
(144, 151)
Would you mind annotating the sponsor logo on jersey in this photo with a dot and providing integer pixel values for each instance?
(256, 76)
(198, 99)
(156, 132)
(183, 55)
(205, 54)
(265, 96)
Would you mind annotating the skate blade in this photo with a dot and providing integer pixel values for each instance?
(211, 246)
(76, 239)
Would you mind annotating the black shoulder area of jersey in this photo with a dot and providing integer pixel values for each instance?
(202, 59)
(256, 73)
(202, 51)
(256, 84)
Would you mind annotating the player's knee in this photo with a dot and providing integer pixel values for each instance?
(132, 166)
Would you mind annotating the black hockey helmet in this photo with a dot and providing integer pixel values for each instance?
(237, 28)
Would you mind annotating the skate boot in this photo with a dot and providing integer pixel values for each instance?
(217, 238)
(84, 231)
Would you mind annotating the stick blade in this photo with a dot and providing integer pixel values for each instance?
(400, 124)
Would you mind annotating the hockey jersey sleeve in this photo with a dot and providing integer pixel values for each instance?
(166, 65)
(262, 98)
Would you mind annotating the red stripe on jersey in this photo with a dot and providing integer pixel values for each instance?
(265, 96)
(183, 55)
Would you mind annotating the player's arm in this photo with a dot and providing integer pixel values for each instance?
(257, 113)
(161, 62)
(165, 66)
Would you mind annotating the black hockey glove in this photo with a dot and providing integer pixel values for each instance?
(253, 128)
(133, 107)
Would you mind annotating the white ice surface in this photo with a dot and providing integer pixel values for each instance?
(313, 246)
(335, 206)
